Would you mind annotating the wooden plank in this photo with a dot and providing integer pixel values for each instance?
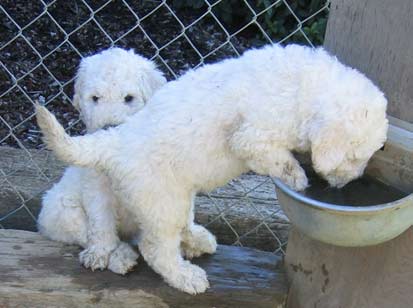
(326, 276)
(375, 36)
(36, 272)
(23, 178)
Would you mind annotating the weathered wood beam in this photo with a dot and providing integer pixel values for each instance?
(36, 272)
(255, 219)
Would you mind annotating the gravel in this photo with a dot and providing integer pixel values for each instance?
(44, 58)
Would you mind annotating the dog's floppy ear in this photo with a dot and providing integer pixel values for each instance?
(329, 144)
(76, 101)
(151, 81)
(79, 79)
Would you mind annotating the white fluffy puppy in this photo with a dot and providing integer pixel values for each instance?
(81, 208)
(219, 121)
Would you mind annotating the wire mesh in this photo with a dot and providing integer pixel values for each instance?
(42, 42)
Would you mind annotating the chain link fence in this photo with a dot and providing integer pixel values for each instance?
(42, 42)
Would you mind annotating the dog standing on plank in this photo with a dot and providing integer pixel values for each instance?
(221, 120)
(82, 208)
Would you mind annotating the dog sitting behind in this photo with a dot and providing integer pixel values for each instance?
(81, 208)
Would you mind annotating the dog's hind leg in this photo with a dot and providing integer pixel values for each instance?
(62, 217)
(160, 243)
(104, 248)
(67, 224)
(196, 239)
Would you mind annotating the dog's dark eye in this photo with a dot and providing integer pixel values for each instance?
(95, 98)
(128, 98)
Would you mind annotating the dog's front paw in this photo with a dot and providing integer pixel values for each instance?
(198, 242)
(95, 257)
(189, 278)
(295, 178)
(122, 259)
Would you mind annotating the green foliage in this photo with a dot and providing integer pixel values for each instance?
(316, 30)
(275, 17)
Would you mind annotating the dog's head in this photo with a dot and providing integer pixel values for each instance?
(349, 133)
(112, 85)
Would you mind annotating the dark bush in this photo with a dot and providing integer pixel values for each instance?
(279, 19)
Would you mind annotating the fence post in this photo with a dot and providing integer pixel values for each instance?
(376, 36)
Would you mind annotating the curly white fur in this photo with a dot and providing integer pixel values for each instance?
(81, 208)
(219, 121)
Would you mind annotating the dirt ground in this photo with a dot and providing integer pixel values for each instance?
(43, 59)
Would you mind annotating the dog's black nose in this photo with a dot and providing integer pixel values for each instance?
(108, 126)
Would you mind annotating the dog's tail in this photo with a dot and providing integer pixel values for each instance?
(83, 151)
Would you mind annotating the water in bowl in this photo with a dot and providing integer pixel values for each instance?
(364, 191)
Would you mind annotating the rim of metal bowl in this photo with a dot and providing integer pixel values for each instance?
(336, 207)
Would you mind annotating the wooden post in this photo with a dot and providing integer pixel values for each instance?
(376, 36)
(327, 276)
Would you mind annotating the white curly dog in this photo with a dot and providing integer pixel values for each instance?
(81, 208)
(221, 120)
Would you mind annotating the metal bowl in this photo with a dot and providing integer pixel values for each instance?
(345, 225)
